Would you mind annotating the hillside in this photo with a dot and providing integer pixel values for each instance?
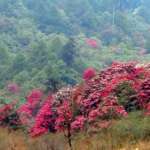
(74, 74)
(49, 42)
(109, 110)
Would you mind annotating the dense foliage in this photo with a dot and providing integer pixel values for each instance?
(100, 99)
(45, 46)
(49, 43)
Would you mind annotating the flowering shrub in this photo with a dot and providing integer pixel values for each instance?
(8, 116)
(78, 124)
(112, 93)
(89, 73)
(45, 119)
(144, 96)
(64, 117)
(115, 91)
(29, 109)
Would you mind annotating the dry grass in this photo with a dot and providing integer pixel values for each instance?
(107, 142)
(12, 140)
(17, 140)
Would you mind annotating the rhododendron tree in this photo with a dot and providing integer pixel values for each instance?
(102, 97)
(64, 119)
(113, 92)
(29, 109)
(108, 94)
(45, 119)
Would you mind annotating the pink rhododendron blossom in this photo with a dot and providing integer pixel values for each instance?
(97, 101)
(44, 121)
(64, 117)
(29, 109)
(89, 73)
(92, 43)
(120, 110)
(94, 114)
(8, 117)
(78, 123)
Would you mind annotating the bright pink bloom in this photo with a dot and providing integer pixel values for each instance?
(64, 117)
(89, 73)
(30, 108)
(78, 124)
(44, 121)
(92, 43)
(94, 114)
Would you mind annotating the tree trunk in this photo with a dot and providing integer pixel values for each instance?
(69, 138)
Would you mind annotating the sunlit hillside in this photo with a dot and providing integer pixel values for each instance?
(74, 74)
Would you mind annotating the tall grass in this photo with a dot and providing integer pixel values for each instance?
(131, 133)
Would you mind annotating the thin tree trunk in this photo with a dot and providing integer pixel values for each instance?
(69, 139)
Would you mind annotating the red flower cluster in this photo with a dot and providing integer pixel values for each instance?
(29, 109)
(4, 111)
(44, 121)
(111, 93)
(144, 95)
(64, 116)
(96, 100)
(79, 123)
(89, 73)
(8, 116)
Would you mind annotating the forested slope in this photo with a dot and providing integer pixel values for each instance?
(51, 42)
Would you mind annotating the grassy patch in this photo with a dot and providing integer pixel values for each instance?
(130, 133)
